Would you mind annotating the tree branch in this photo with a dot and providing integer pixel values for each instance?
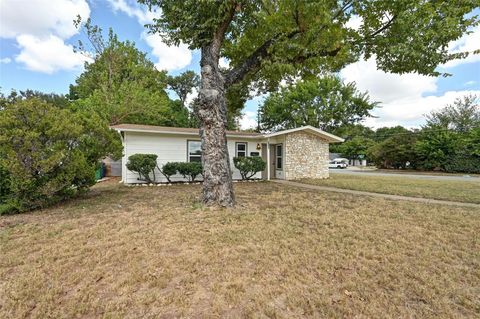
(219, 34)
(253, 61)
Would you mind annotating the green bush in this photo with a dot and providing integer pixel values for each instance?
(49, 153)
(463, 164)
(189, 170)
(144, 165)
(169, 169)
(5, 189)
(249, 166)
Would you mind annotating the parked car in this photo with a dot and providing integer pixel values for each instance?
(335, 164)
(342, 160)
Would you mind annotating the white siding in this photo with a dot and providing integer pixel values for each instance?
(171, 148)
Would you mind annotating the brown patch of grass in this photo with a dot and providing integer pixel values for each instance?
(460, 191)
(156, 252)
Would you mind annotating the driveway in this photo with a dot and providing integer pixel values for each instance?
(353, 171)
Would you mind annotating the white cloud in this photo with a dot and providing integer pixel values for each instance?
(468, 83)
(248, 120)
(404, 99)
(40, 28)
(40, 17)
(47, 55)
(169, 57)
(387, 87)
(192, 96)
(5, 60)
(224, 63)
(355, 22)
(467, 43)
(410, 111)
(132, 9)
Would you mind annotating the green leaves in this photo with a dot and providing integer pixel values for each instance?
(144, 165)
(249, 166)
(123, 86)
(279, 39)
(324, 102)
(49, 153)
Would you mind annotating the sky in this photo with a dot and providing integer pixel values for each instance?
(37, 38)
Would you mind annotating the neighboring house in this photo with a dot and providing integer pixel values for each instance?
(291, 154)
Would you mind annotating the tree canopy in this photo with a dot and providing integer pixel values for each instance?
(324, 102)
(267, 41)
(463, 115)
(123, 86)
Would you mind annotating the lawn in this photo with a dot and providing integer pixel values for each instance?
(460, 191)
(156, 252)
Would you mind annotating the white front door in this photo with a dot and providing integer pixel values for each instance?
(279, 155)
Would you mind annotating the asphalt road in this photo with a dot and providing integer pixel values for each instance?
(350, 171)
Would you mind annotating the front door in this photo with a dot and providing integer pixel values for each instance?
(278, 161)
(275, 162)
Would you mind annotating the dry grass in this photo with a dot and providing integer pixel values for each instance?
(460, 191)
(284, 252)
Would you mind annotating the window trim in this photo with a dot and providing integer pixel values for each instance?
(277, 157)
(246, 148)
(188, 150)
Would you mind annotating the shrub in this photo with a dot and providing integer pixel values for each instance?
(169, 169)
(249, 166)
(463, 164)
(5, 189)
(189, 170)
(49, 153)
(144, 165)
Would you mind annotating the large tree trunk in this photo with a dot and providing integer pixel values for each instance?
(212, 112)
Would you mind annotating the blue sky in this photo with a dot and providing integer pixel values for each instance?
(36, 38)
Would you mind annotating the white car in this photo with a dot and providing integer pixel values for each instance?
(335, 164)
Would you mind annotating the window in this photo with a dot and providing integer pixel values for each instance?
(279, 156)
(254, 154)
(194, 152)
(241, 149)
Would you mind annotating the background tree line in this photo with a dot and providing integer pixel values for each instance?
(449, 141)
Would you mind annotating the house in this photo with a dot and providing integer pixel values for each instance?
(291, 154)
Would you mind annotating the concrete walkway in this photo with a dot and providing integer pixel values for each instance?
(387, 196)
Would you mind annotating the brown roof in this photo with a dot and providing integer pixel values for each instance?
(167, 129)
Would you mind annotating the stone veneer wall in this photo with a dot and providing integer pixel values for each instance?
(306, 156)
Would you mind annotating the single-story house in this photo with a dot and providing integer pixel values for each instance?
(291, 154)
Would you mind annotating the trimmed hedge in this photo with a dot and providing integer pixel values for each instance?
(249, 166)
(189, 170)
(144, 165)
(168, 170)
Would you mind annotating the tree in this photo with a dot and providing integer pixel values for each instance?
(436, 146)
(184, 84)
(268, 41)
(122, 85)
(324, 102)
(49, 153)
(396, 151)
(461, 116)
(355, 148)
(59, 100)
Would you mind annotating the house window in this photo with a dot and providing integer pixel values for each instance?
(194, 152)
(279, 156)
(241, 149)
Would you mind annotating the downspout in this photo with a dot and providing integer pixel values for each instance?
(268, 159)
